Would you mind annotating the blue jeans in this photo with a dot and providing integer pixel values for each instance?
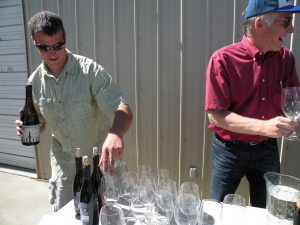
(231, 161)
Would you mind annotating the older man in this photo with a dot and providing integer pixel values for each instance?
(243, 89)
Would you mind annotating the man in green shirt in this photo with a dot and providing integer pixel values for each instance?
(78, 100)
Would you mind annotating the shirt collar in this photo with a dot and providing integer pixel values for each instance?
(253, 51)
(67, 68)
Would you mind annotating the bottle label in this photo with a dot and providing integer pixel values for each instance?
(89, 212)
(84, 212)
(31, 134)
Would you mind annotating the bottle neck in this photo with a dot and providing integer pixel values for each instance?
(86, 172)
(78, 162)
(28, 92)
(95, 160)
(29, 102)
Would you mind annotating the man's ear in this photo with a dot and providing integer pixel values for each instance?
(259, 23)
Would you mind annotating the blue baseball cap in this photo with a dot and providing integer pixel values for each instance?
(260, 7)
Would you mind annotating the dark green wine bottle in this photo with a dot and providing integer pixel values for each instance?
(97, 175)
(77, 182)
(88, 200)
(30, 119)
(297, 213)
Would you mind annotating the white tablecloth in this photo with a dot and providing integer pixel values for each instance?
(66, 216)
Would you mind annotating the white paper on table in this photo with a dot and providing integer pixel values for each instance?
(257, 216)
(233, 214)
(213, 209)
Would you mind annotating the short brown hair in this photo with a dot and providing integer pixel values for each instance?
(47, 22)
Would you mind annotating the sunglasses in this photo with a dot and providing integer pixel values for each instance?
(48, 48)
(287, 21)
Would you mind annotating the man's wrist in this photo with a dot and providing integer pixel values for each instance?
(116, 131)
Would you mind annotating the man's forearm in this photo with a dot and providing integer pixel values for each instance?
(236, 123)
(122, 120)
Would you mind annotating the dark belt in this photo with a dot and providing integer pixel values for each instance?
(245, 144)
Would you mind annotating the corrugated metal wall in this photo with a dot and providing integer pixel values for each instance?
(157, 52)
(13, 77)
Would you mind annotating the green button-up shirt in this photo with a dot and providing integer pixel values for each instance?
(79, 105)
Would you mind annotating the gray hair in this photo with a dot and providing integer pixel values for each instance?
(248, 24)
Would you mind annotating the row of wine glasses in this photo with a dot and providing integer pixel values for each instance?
(154, 198)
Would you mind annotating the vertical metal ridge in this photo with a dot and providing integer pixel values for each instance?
(136, 97)
(115, 41)
(76, 26)
(181, 66)
(205, 142)
(95, 31)
(27, 40)
(292, 34)
(157, 79)
(234, 21)
(58, 7)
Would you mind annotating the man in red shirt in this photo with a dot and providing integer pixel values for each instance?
(243, 89)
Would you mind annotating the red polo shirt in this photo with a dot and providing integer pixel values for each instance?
(243, 80)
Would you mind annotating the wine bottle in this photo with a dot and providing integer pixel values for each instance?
(297, 213)
(30, 119)
(77, 182)
(97, 175)
(88, 200)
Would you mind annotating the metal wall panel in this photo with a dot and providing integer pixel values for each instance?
(13, 77)
(157, 52)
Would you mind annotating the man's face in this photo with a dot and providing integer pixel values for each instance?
(274, 34)
(52, 50)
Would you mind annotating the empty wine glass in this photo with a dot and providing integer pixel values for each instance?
(110, 189)
(165, 203)
(190, 188)
(120, 168)
(129, 181)
(210, 212)
(141, 203)
(111, 215)
(186, 209)
(144, 170)
(234, 210)
(290, 105)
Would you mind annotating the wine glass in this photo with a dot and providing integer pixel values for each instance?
(111, 215)
(210, 212)
(186, 209)
(290, 105)
(129, 181)
(110, 189)
(234, 210)
(120, 168)
(165, 203)
(141, 203)
(190, 188)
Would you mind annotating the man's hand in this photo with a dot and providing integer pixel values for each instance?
(113, 146)
(112, 150)
(19, 125)
(278, 126)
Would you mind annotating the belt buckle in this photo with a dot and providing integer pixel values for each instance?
(253, 143)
